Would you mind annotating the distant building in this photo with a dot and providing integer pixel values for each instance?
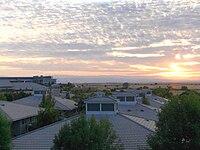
(101, 105)
(146, 92)
(126, 97)
(29, 87)
(21, 116)
(60, 103)
(46, 80)
(5, 85)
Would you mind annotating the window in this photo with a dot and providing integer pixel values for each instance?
(121, 98)
(36, 92)
(130, 99)
(107, 107)
(93, 107)
(23, 121)
(148, 92)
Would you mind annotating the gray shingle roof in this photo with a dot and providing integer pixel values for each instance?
(28, 86)
(154, 103)
(132, 135)
(138, 110)
(34, 101)
(103, 99)
(150, 124)
(41, 139)
(16, 112)
(5, 84)
(67, 103)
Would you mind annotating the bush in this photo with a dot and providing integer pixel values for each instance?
(5, 134)
(178, 127)
(163, 92)
(47, 113)
(83, 134)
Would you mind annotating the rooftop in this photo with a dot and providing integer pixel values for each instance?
(34, 101)
(139, 111)
(29, 86)
(150, 124)
(40, 139)
(132, 134)
(5, 84)
(16, 112)
(126, 93)
(103, 99)
(67, 103)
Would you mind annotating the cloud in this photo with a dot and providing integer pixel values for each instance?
(121, 54)
(100, 37)
(191, 56)
(147, 68)
(178, 56)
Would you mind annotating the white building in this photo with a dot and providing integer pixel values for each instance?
(101, 105)
(126, 97)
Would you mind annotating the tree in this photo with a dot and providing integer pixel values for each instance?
(163, 92)
(5, 133)
(145, 100)
(125, 85)
(11, 96)
(47, 113)
(178, 126)
(190, 95)
(83, 134)
(107, 92)
(2, 97)
(80, 105)
(47, 101)
(185, 88)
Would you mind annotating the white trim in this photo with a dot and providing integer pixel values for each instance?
(128, 103)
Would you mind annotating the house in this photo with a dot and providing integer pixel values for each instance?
(60, 103)
(27, 87)
(101, 105)
(126, 97)
(146, 92)
(133, 133)
(30, 87)
(40, 139)
(133, 125)
(21, 116)
(36, 79)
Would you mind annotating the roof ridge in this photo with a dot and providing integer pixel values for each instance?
(5, 114)
(21, 105)
(64, 120)
(136, 122)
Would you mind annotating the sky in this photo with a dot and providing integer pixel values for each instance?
(101, 40)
